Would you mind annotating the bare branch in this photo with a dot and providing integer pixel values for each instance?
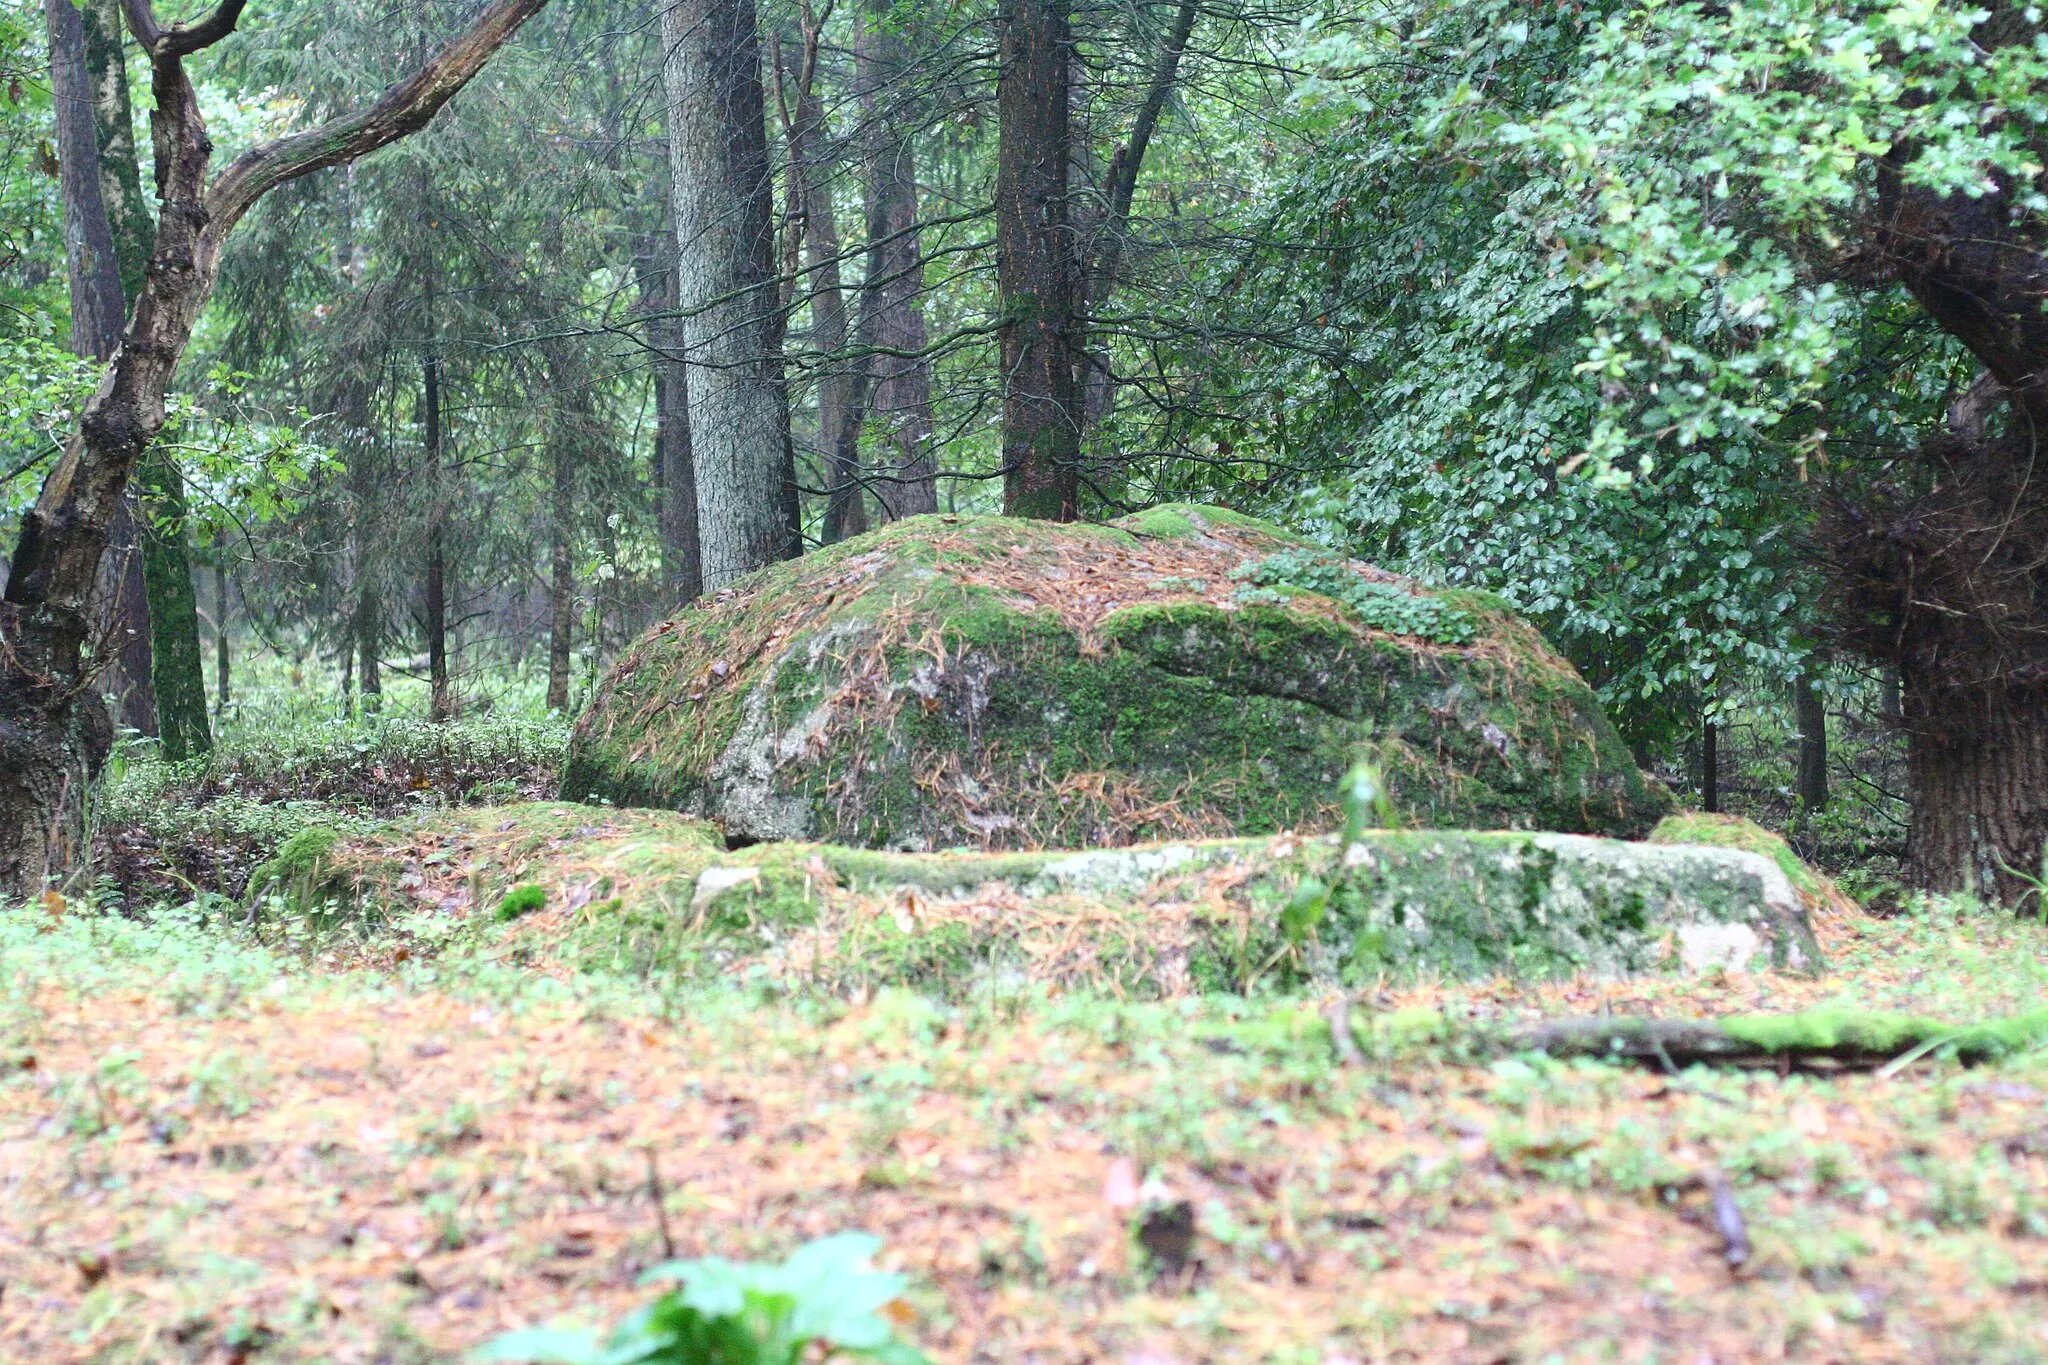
(404, 108)
(180, 40)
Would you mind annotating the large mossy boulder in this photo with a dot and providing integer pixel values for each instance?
(993, 683)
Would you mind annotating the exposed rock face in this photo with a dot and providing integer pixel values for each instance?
(993, 683)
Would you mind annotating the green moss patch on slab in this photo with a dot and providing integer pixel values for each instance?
(644, 892)
(1733, 831)
(995, 683)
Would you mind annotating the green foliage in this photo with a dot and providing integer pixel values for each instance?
(1367, 802)
(1711, 151)
(824, 1301)
(1391, 607)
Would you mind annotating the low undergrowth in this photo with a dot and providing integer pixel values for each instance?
(241, 1143)
(289, 758)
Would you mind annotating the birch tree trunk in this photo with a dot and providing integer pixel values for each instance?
(723, 193)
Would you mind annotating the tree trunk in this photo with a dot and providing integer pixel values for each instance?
(222, 608)
(892, 331)
(1812, 714)
(1979, 766)
(53, 739)
(1710, 768)
(130, 676)
(440, 697)
(369, 643)
(1035, 267)
(726, 289)
(179, 668)
(675, 471)
(1108, 239)
(845, 506)
(562, 588)
(98, 310)
(128, 214)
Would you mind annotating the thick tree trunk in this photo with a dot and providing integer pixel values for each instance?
(1036, 271)
(898, 391)
(723, 192)
(440, 695)
(179, 669)
(1812, 714)
(52, 738)
(1979, 765)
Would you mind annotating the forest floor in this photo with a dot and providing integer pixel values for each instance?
(214, 1149)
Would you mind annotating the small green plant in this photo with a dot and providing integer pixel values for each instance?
(520, 900)
(824, 1301)
(1367, 804)
(1391, 607)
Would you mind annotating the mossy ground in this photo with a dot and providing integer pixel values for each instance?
(995, 683)
(235, 1143)
(639, 892)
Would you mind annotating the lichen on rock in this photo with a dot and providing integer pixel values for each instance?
(994, 683)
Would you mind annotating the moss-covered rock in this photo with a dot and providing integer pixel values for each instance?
(1817, 890)
(995, 683)
(643, 891)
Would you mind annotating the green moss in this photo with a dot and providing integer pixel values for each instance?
(1732, 831)
(1180, 520)
(994, 683)
(520, 900)
(300, 860)
(1235, 915)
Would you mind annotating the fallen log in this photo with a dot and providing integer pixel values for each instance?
(1812, 1040)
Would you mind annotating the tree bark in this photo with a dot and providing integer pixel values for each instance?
(128, 213)
(1109, 238)
(897, 387)
(1710, 768)
(723, 192)
(99, 308)
(561, 549)
(178, 668)
(1036, 285)
(1812, 716)
(440, 696)
(682, 564)
(222, 610)
(1979, 768)
(811, 196)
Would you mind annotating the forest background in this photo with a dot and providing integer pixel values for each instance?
(1594, 306)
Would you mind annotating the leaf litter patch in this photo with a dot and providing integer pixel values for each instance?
(361, 1167)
